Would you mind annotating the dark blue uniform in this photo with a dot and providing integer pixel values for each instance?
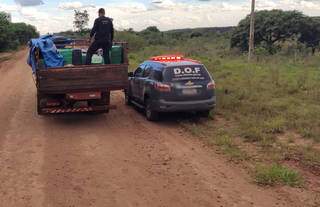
(103, 33)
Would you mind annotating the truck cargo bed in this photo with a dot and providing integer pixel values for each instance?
(81, 88)
(82, 78)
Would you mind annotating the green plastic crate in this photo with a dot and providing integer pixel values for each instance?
(84, 57)
(116, 55)
(67, 55)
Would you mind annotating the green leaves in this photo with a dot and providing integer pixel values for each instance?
(275, 27)
(14, 34)
(81, 20)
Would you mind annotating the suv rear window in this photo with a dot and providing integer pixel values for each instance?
(185, 73)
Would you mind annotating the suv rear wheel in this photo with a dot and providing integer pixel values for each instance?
(150, 114)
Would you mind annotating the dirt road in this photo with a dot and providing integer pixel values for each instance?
(112, 160)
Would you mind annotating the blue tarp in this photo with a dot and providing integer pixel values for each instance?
(48, 50)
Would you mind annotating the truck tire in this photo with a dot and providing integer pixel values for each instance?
(127, 98)
(104, 101)
(151, 115)
(39, 104)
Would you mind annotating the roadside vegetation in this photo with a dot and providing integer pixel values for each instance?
(13, 35)
(268, 110)
(277, 174)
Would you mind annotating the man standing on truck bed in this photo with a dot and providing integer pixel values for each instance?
(103, 37)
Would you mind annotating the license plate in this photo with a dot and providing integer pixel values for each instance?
(189, 92)
(84, 96)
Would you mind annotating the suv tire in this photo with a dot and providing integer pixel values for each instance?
(151, 115)
(204, 114)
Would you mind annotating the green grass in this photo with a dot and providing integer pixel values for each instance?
(228, 147)
(277, 174)
(261, 100)
(311, 159)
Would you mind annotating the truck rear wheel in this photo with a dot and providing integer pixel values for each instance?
(127, 98)
(151, 115)
(104, 101)
(40, 103)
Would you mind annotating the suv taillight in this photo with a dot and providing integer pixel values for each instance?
(162, 87)
(211, 85)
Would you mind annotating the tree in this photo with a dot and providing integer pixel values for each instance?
(151, 29)
(14, 34)
(81, 19)
(272, 27)
(152, 35)
(24, 32)
(195, 34)
(5, 17)
(310, 33)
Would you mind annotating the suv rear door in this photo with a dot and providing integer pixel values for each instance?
(188, 82)
(135, 84)
(142, 81)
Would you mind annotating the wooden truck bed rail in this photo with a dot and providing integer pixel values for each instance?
(82, 78)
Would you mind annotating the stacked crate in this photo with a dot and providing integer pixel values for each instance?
(67, 55)
(116, 55)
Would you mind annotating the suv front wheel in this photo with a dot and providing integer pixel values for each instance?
(150, 114)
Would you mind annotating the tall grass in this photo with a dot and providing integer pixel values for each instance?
(267, 97)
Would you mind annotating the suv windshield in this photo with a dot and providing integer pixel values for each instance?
(185, 73)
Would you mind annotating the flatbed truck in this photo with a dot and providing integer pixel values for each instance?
(80, 88)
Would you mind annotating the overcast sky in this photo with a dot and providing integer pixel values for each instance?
(57, 15)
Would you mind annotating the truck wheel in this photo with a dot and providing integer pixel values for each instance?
(127, 99)
(40, 104)
(151, 114)
(104, 101)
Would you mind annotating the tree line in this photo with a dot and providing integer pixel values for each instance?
(275, 28)
(12, 35)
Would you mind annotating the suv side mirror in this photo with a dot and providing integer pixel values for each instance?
(130, 74)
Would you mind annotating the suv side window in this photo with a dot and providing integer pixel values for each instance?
(139, 71)
(147, 71)
(157, 75)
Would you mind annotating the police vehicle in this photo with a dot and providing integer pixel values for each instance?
(171, 83)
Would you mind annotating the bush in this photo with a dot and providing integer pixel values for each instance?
(13, 35)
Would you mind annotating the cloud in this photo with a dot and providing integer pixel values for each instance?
(32, 14)
(74, 5)
(165, 14)
(301, 5)
(29, 2)
(8, 8)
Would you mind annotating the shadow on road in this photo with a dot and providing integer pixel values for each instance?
(75, 119)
